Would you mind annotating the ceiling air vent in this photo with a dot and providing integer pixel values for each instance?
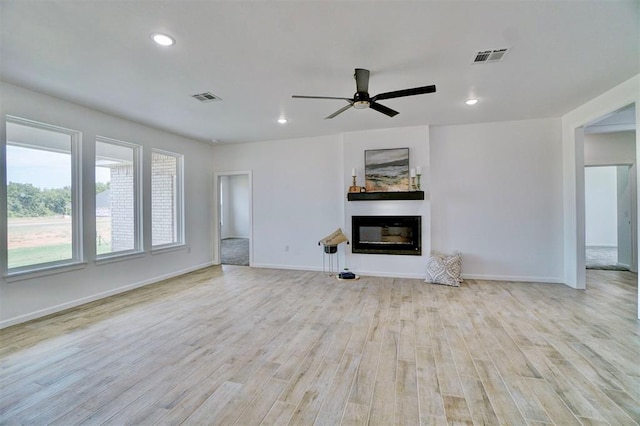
(485, 56)
(206, 97)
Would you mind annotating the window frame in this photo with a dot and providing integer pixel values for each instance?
(137, 203)
(179, 208)
(77, 244)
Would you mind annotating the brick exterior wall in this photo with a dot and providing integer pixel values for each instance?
(163, 198)
(122, 208)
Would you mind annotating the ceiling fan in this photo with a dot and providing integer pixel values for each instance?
(362, 100)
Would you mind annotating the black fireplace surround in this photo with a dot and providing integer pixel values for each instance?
(386, 235)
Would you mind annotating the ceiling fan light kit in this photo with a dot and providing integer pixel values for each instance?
(163, 39)
(362, 100)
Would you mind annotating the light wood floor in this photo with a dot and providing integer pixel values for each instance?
(250, 346)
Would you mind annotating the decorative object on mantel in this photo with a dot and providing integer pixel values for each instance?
(386, 170)
(444, 269)
(413, 179)
(354, 187)
(415, 173)
(330, 243)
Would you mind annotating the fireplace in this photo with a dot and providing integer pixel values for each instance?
(386, 235)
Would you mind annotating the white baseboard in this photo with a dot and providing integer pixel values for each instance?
(286, 267)
(316, 269)
(392, 275)
(466, 276)
(548, 280)
(92, 298)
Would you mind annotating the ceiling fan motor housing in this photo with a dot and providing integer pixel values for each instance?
(361, 100)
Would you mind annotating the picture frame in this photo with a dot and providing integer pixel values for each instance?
(386, 170)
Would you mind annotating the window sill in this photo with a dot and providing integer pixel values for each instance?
(42, 272)
(119, 257)
(168, 248)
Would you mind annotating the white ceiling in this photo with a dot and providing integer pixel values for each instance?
(255, 55)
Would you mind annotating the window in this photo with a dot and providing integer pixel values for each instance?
(166, 199)
(43, 197)
(117, 197)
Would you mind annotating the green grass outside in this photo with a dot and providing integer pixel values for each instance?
(26, 256)
(103, 248)
(35, 255)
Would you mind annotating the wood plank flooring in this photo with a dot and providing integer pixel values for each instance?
(246, 346)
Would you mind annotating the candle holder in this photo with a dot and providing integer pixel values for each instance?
(354, 187)
(413, 183)
(418, 184)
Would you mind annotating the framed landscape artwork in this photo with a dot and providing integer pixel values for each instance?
(386, 170)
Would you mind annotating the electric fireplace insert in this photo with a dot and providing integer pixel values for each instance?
(399, 235)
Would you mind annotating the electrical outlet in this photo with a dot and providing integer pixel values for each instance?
(286, 248)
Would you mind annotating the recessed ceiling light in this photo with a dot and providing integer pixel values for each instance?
(163, 39)
(282, 120)
(471, 101)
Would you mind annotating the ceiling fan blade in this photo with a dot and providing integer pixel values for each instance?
(383, 109)
(340, 111)
(405, 92)
(362, 80)
(321, 97)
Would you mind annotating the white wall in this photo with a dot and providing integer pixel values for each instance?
(573, 162)
(236, 206)
(626, 216)
(239, 205)
(297, 196)
(26, 299)
(497, 197)
(601, 213)
(225, 209)
(609, 148)
(417, 140)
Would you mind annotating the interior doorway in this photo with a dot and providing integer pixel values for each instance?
(610, 140)
(609, 212)
(234, 221)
